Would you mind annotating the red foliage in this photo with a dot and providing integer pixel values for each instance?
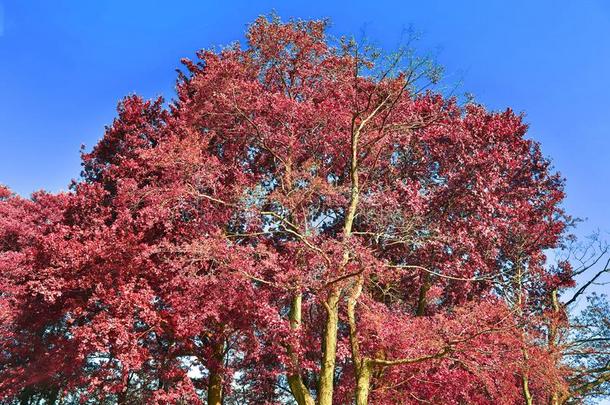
(176, 257)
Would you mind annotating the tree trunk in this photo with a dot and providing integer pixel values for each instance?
(526, 390)
(423, 292)
(527, 395)
(362, 366)
(299, 390)
(215, 378)
(329, 342)
(363, 383)
(329, 350)
(554, 399)
(215, 389)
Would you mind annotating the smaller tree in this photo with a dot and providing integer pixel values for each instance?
(589, 350)
(579, 332)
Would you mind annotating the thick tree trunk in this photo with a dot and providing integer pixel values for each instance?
(215, 378)
(363, 383)
(215, 389)
(299, 390)
(329, 349)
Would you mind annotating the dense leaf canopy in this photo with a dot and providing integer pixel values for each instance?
(303, 222)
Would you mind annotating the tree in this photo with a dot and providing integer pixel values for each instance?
(304, 219)
(589, 350)
(577, 334)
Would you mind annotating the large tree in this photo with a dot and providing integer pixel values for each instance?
(305, 222)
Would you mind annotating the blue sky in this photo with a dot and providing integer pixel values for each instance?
(65, 64)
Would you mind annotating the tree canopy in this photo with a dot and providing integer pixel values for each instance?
(307, 222)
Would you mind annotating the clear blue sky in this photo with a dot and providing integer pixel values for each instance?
(65, 64)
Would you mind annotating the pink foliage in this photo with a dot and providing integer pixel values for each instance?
(194, 225)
